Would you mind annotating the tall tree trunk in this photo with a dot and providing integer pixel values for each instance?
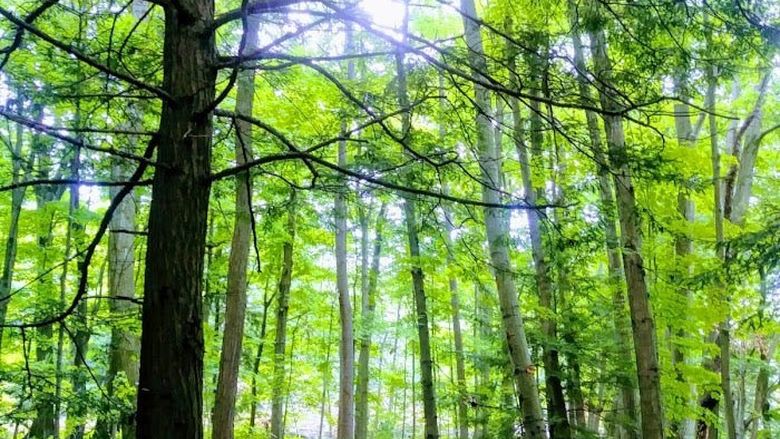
(643, 324)
(423, 331)
(418, 285)
(170, 396)
(760, 412)
(11, 242)
(123, 351)
(44, 425)
(258, 356)
(235, 303)
(452, 281)
(709, 401)
(740, 180)
(457, 333)
(556, 406)
(75, 237)
(621, 326)
(326, 376)
(346, 420)
(280, 343)
(683, 247)
(497, 235)
(368, 304)
(124, 347)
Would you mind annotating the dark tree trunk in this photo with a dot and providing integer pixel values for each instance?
(280, 342)
(418, 286)
(170, 395)
(258, 357)
(11, 242)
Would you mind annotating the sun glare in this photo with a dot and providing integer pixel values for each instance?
(384, 13)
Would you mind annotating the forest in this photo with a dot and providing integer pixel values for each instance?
(380, 219)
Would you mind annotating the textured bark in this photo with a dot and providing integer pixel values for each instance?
(346, 419)
(497, 236)
(643, 325)
(11, 242)
(368, 304)
(235, 302)
(616, 276)
(123, 351)
(170, 395)
(280, 342)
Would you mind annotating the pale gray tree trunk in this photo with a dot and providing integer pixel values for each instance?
(497, 236)
(740, 183)
(346, 419)
(627, 387)
(737, 195)
(683, 245)
(235, 302)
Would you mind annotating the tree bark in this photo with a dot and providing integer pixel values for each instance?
(326, 375)
(170, 396)
(258, 356)
(621, 326)
(368, 305)
(346, 419)
(418, 285)
(683, 247)
(457, 333)
(44, 425)
(497, 236)
(643, 324)
(76, 412)
(235, 302)
(280, 343)
(556, 405)
(739, 181)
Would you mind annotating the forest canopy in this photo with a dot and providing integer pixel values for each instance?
(376, 219)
